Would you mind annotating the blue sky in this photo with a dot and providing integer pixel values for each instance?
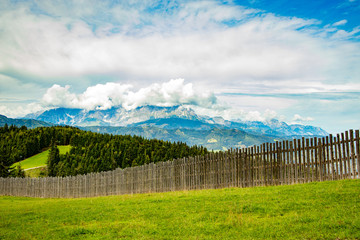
(327, 12)
(297, 61)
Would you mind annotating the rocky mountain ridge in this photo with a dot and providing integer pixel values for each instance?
(176, 117)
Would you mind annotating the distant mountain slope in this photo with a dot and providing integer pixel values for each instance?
(112, 117)
(277, 128)
(70, 116)
(272, 127)
(177, 123)
(216, 139)
(29, 123)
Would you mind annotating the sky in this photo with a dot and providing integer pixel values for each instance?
(297, 61)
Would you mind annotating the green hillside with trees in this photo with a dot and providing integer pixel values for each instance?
(89, 152)
(40, 159)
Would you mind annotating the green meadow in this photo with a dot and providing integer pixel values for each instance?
(39, 160)
(326, 210)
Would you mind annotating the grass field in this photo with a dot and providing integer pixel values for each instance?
(36, 172)
(40, 159)
(327, 210)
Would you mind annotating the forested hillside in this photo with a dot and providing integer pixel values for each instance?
(94, 152)
(19, 143)
(90, 152)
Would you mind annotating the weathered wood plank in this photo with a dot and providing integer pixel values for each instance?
(357, 144)
(332, 158)
(345, 159)
(351, 156)
(339, 156)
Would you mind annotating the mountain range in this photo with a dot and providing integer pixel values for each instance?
(177, 123)
(29, 123)
(116, 116)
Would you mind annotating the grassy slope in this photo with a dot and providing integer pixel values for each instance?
(327, 210)
(36, 172)
(40, 159)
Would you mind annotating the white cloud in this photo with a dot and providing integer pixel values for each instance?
(229, 112)
(191, 43)
(105, 96)
(20, 111)
(299, 119)
(343, 35)
(270, 114)
(261, 116)
(58, 96)
(340, 23)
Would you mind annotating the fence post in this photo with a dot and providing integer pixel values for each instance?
(308, 159)
(333, 152)
(351, 156)
(313, 159)
(346, 154)
(342, 155)
(357, 139)
(328, 170)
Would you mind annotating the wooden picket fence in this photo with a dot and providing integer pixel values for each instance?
(288, 162)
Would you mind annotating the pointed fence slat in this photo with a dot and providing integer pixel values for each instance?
(351, 156)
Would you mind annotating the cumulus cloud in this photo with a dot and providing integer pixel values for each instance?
(261, 116)
(232, 113)
(105, 96)
(299, 119)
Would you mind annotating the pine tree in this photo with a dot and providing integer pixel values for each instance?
(53, 159)
(17, 172)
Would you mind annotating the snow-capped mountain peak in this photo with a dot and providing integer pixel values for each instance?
(168, 117)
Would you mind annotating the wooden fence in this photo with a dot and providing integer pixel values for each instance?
(288, 162)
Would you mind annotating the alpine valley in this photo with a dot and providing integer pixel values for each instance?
(177, 123)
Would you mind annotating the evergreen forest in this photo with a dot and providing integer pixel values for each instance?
(90, 152)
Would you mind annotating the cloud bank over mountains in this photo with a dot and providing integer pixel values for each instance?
(105, 96)
(172, 93)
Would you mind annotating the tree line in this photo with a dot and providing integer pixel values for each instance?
(89, 152)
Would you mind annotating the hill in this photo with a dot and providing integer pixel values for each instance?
(29, 123)
(90, 152)
(325, 210)
(35, 166)
(40, 159)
